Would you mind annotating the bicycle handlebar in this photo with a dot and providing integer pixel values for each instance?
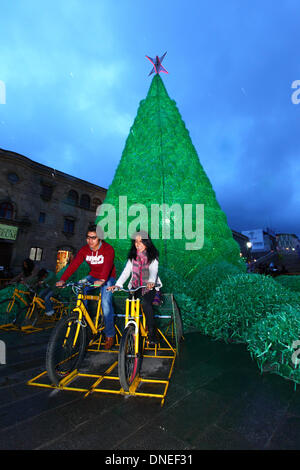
(78, 286)
(134, 290)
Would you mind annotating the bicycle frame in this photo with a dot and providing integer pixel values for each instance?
(82, 312)
(16, 293)
(133, 315)
(36, 301)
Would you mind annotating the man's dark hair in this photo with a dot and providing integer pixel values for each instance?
(96, 228)
(92, 228)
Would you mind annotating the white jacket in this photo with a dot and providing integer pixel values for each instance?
(127, 271)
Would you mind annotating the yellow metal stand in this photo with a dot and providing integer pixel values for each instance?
(27, 328)
(108, 382)
(43, 322)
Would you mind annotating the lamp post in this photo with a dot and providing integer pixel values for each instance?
(249, 246)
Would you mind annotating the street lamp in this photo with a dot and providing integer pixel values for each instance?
(249, 246)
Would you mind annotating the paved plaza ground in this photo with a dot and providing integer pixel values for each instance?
(217, 400)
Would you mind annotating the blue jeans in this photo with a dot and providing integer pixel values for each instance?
(106, 303)
(46, 294)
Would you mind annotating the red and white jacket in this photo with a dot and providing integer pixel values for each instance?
(101, 262)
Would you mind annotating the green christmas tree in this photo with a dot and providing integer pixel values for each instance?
(160, 171)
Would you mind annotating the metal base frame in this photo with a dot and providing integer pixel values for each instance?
(28, 328)
(110, 376)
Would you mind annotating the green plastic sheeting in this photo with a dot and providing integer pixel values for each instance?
(160, 165)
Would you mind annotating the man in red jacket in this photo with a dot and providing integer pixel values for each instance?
(100, 257)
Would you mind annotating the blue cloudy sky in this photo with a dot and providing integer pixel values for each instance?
(75, 72)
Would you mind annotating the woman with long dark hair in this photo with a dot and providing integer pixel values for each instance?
(142, 265)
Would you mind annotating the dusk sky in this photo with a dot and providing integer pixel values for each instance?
(75, 72)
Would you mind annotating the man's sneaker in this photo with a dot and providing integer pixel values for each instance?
(49, 313)
(109, 342)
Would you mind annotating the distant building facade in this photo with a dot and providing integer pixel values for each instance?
(287, 242)
(44, 213)
(262, 240)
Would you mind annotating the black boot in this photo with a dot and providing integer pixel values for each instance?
(152, 336)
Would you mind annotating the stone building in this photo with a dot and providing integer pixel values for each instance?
(287, 241)
(44, 213)
(263, 241)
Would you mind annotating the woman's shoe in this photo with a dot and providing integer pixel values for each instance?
(157, 299)
(152, 337)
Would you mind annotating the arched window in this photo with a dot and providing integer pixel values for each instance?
(13, 177)
(6, 210)
(96, 203)
(85, 201)
(72, 197)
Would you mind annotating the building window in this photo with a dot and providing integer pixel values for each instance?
(72, 197)
(42, 217)
(36, 254)
(69, 225)
(46, 192)
(12, 178)
(96, 203)
(85, 201)
(6, 210)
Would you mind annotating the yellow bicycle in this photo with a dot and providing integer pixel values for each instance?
(14, 305)
(31, 311)
(134, 340)
(35, 314)
(67, 344)
(69, 341)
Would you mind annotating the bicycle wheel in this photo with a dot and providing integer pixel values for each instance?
(63, 354)
(5, 314)
(20, 319)
(129, 363)
(31, 316)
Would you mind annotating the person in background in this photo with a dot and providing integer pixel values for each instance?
(27, 275)
(46, 280)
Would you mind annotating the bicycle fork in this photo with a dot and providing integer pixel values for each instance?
(132, 316)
